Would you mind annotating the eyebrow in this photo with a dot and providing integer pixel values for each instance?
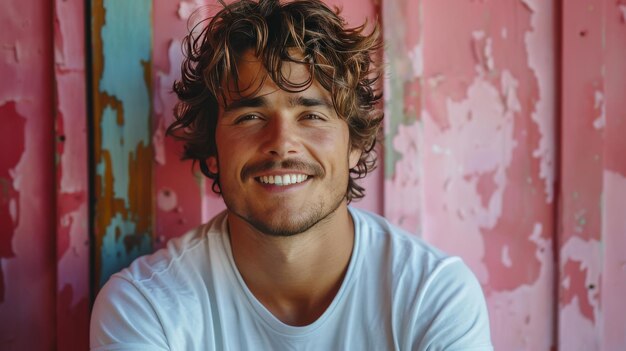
(261, 101)
(309, 102)
(258, 101)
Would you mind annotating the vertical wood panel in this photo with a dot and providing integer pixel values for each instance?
(592, 315)
(182, 194)
(121, 35)
(403, 143)
(583, 105)
(72, 236)
(470, 148)
(613, 288)
(27, 201)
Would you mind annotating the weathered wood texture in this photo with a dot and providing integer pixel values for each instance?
(592, 228)
(504, 144)
(27, 177)
(121, 53)
(72, 184)
(471, 148)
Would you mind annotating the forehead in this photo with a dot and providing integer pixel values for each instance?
(254, 80)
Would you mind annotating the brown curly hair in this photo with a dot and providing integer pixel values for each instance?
(339, 58)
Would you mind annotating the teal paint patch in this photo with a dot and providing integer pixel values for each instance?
(124, 130)
(113, 251)
(113, 142)
(126, 45)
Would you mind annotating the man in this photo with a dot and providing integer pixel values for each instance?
(277, 105)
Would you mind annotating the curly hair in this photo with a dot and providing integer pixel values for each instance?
(339, 58)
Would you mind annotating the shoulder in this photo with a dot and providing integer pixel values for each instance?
(137, 305)
(405, 250)
(435, 297)
(179, 253)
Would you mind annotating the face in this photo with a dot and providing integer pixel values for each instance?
(283, 158)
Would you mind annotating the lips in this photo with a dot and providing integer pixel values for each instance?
(283, 180)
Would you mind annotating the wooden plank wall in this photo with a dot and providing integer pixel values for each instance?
(471, 148)
(504, 143)
(121, 57)
(27, 177)
(72, 180)
(592, 228)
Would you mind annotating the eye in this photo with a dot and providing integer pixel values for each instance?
(246, 118)
(313, 116)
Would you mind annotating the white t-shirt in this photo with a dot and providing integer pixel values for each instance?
(398, 294)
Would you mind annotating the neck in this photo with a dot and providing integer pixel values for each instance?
(295, 277)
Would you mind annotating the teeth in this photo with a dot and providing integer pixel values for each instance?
(283, 180)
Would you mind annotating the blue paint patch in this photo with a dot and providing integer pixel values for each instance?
(112, 134)
(126, 49)
(113, 252)
(126, 43)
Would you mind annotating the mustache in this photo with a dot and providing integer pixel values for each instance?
(291, 164)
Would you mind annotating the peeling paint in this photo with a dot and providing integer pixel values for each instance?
(13, 143)
(483, 51)
(405, 183)
(27, 211)
(72, 236)
(487, 112)
(123, 152)
(517, 317)
(599, 104)
(169, 172)
(613, 285)
(586, 331)
(403, 93)
(542, 62)
(186, 8)
(487, 123)
(166, 199)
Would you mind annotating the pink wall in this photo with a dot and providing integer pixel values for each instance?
(503, 144)
(592, 230)
(471, 106)
(27, 177)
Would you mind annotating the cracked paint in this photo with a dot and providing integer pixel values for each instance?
(182, 209)
(468, 160)
(519, 316)
(405, 182)
(542, 62)
(488, 155)
(470, 156)
(403, 143)
(582, 268)
(123, 153)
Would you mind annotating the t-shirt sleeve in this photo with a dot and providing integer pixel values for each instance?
(123, 319)
(451, 313)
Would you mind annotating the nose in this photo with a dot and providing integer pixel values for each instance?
(281, 138)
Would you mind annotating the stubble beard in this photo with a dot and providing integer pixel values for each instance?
(289, 226)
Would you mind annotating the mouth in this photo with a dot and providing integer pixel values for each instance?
(282, 179)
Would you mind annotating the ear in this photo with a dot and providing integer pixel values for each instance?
(212, 164)
(354, 157)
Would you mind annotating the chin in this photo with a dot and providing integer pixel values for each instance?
(286, 226)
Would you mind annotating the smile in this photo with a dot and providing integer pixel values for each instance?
(282, 180)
